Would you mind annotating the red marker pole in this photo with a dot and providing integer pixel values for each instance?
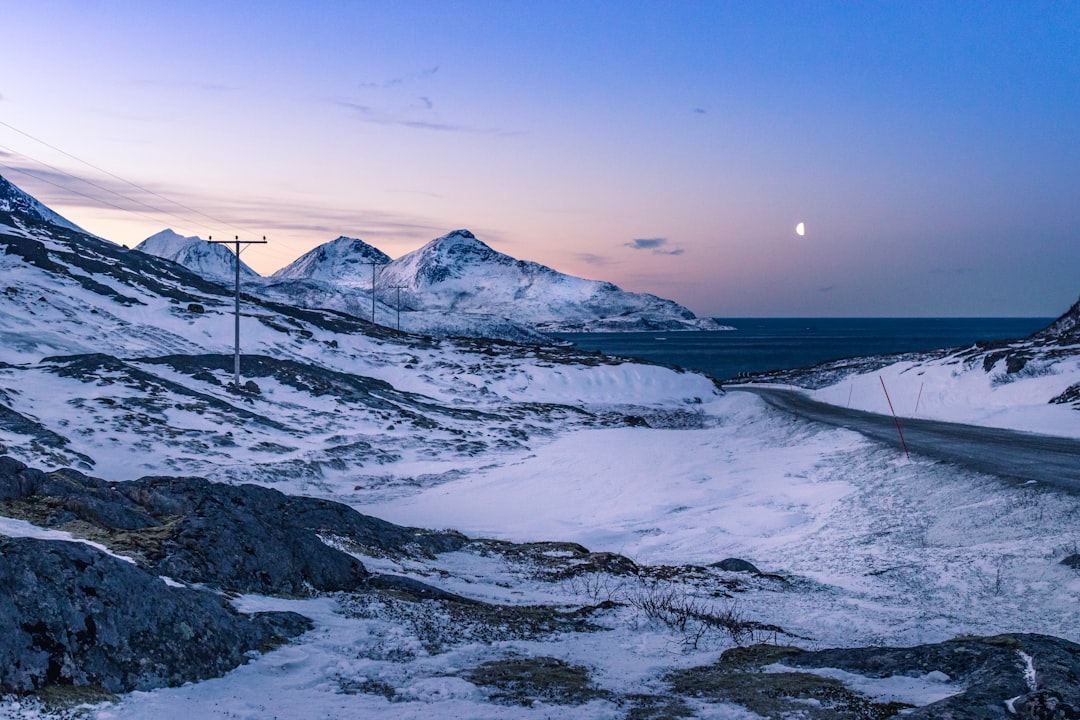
(895, 419)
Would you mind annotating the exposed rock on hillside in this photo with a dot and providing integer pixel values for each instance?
(72, 615)
(241, 538)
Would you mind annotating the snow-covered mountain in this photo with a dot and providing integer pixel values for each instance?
(458, 273)
(211, 260)
(119, 363)
(344, 260)
(16, 205)
(77, 312)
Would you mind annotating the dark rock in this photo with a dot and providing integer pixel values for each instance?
(1072, 561)
(242, 538)
(1044, 705)
(736, 565)
(72, 615)
(196, 308)
(991, 668)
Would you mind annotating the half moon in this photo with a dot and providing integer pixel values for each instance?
(800, 229)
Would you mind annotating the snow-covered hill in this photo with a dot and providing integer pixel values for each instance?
(1030, 384)
(119, 362)
(459, 273)
(345, 260)
(78, 313)
(460, 282)
(211, 260)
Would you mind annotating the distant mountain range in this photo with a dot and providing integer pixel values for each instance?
(453, 285)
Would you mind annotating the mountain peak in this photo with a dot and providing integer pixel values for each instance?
(20, 205)
(343, 259)
(200, 256)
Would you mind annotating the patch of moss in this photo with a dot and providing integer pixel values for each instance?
(798, 694)
(522, 681)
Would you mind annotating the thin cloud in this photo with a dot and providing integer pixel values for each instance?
(595, 260)
(374, 116)
(657, 245)
(401, 80)
(701, 111)
(826, 289)
(646, 243)
(57, 189)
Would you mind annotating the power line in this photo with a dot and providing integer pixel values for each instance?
(128, 182)
(92, 184)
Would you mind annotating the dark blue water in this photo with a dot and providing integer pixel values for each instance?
(759, 345)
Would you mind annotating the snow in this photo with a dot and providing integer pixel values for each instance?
(211, 260)
(12, 527)
(948, 390)
(861, 546)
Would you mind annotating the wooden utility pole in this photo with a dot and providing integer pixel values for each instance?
(236, 310)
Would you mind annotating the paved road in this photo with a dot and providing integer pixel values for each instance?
(1009, 453)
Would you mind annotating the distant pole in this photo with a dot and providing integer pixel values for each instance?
(398, 288)
(895, 419)
(918, 399)
(373, 263)
(236, 307)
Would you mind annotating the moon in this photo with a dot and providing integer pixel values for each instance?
(800, 229)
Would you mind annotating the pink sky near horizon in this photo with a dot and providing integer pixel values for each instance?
(930, 149)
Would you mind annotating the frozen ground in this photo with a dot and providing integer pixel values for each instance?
(948, 391)
(867, 548)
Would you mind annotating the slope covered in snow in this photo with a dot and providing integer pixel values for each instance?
(119, 363)
(345, 260)
(211, 260)
(1030, 384)
(477, 290)
(459, 273)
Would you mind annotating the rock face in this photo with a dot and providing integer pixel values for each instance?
(244, 539)
(73, 615)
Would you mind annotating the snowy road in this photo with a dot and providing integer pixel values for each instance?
(1008, 453)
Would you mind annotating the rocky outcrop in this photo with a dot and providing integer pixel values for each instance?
(244, 538)
(72, 615)
(1023, 676)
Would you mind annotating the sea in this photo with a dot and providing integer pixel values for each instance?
(763, 344)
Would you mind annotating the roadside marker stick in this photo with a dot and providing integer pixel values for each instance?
(794, 407)
(919, 398)
(895, 419)
(851, 389)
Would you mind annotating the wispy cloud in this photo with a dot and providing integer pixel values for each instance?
(407, 79)
(657, 245)
(406, 118)
(595, 260)
(826, 289)
(701, 111)
(951, 270)
(187, 85)
(209, 213)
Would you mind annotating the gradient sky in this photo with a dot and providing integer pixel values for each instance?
(932, 149)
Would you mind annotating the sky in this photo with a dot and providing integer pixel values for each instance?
(930, 148)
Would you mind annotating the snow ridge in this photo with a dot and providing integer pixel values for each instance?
(208, 259)
(342, 260)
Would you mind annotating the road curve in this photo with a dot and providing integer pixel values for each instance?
(1008, 453)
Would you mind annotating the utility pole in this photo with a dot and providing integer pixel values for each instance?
(398, 288)
(372, 263)
(236, 310)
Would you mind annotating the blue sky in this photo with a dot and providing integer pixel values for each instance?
(670, 147)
